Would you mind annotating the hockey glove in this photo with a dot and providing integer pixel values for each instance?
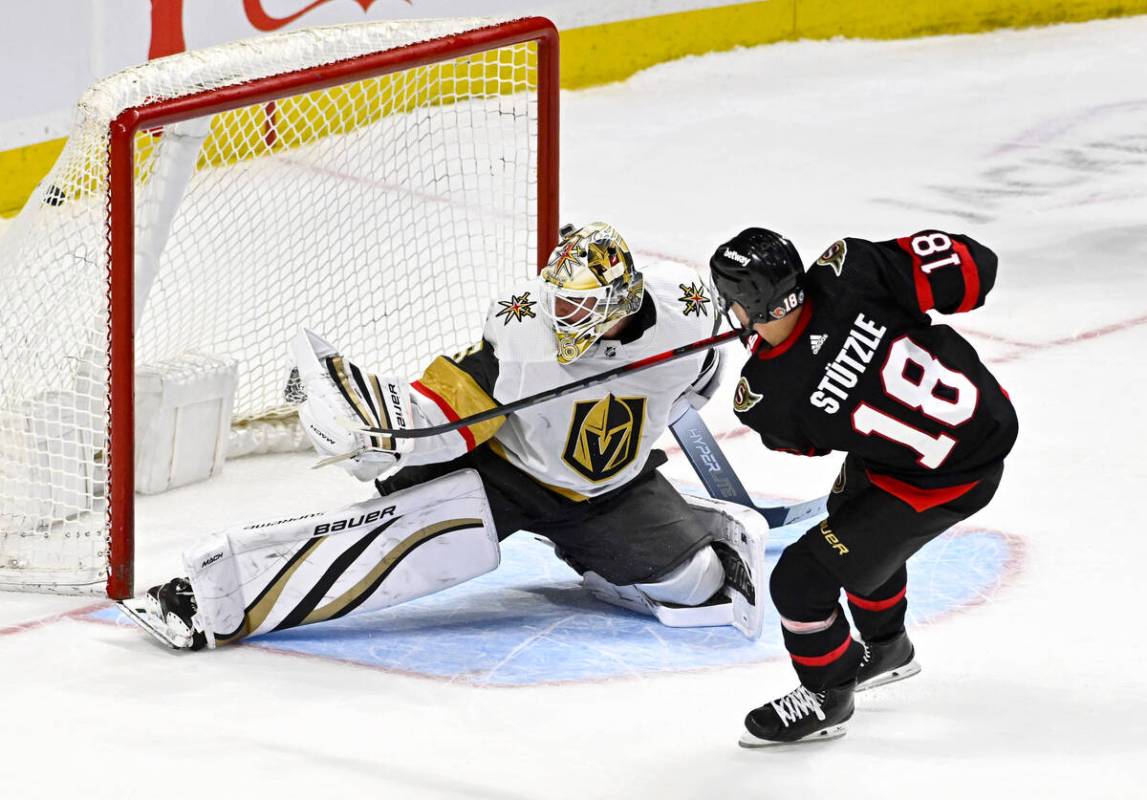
(338, 399)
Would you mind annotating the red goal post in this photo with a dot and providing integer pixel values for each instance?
(125, 178)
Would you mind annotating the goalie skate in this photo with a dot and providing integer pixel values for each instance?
(168, 613)
(138, 610)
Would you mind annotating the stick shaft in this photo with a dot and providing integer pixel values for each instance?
(719, 478)
(559, 391)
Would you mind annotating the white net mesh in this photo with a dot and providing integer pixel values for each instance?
(382, 213)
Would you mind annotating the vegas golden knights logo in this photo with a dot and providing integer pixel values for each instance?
(605, 436)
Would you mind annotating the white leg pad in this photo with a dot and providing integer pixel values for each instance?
(740, 533)
(673, 616)
(690, 584)
(365, 557)
(744, 533)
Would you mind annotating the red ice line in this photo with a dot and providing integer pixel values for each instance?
(1021, 345)
(1025, 347)
(21, 627)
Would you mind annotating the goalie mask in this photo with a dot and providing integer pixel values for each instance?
(589, 285)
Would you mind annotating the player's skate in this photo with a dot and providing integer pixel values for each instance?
(802, 715)
(886, 662)
(168, 612)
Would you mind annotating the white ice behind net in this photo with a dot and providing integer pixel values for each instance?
(372, 213)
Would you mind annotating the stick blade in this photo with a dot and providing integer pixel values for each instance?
(789, 515)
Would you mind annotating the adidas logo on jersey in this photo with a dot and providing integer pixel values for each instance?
(817, 341)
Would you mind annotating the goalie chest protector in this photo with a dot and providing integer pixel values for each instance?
(595, 440)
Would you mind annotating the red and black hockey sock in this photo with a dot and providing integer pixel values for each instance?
(879, 614)
(816, 631)
(825, 658)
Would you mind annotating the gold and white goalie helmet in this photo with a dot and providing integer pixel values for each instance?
(588, 285)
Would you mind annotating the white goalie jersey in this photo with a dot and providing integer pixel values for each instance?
(588, 442)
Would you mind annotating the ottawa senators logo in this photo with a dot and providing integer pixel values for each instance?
(744, 397)
(605, 436)
(834, 256)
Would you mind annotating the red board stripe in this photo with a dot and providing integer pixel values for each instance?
(447, 410)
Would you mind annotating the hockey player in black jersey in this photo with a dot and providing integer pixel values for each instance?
(845, 357)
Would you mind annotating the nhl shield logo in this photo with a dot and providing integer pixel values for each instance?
(744, 397)
(605, 436)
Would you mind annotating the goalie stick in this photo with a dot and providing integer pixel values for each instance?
(694, 437)
(719, 479)
(558, 391)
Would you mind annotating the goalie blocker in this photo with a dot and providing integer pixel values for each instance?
(281, 574)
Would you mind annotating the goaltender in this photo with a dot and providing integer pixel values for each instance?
(579, 470)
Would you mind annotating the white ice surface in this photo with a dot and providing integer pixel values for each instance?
(1033, 142)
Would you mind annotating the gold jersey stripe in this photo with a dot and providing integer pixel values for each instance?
(497, 449)
(461, 392)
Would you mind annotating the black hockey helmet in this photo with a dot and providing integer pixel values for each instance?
(761, 271)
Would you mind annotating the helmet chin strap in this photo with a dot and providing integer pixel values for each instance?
(747, 333)
(743, 334)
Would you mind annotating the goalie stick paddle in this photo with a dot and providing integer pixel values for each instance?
(557, 391)
(721, 482)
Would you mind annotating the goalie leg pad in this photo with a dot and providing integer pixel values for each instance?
(739, 536)
(281, 574)
(679, 600)
(690, 584)
(706, 615)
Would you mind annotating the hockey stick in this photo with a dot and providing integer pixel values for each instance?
(558, 391)
(722, 483)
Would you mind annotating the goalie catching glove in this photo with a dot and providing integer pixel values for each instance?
(336, 399)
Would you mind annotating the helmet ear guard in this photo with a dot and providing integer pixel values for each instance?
(760, 271)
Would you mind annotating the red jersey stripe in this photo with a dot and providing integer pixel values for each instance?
(764, 352)
(920, 499)
(971, 274)
(924, 297)
(447, 410)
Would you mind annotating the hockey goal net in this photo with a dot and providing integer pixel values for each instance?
(376, 182)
